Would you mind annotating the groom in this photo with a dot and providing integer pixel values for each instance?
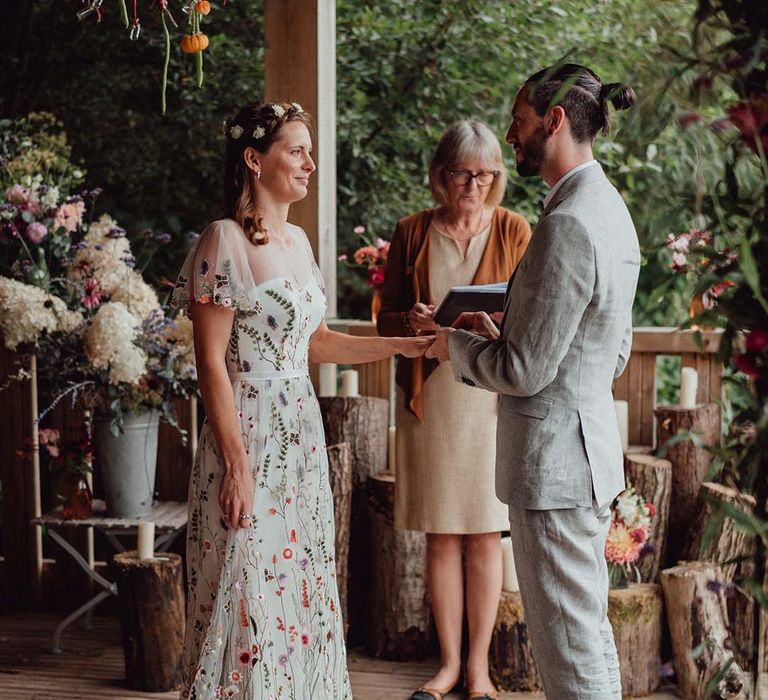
(565, 335)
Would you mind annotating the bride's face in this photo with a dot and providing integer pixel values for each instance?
(286, 167)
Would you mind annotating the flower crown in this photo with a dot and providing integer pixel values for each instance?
(235, 131)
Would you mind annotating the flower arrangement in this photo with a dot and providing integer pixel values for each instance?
(70, 294)
(372, 256)
(627, 536)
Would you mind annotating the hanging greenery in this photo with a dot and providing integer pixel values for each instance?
(193, 41)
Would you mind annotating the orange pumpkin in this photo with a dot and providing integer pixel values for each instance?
(203, 7)
(194, 43)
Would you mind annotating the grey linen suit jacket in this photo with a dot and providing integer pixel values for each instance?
(566, 334)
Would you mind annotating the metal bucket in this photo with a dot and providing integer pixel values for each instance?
(128, 463)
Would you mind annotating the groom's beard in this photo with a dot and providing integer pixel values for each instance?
(532, 153)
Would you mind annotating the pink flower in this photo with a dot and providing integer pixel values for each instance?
(751, 119)
(91, 294)
(17, 195)
(679, 262)
(745, 364)
(717, 289)
(342, 258)
(688, 118)
(359, 230)
(36, 232)
(69, 216)
(49, 438)
(376, 277)
(305, 639)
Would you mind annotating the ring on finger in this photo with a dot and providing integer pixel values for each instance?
(243, 516)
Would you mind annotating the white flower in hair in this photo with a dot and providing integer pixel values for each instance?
(259, 132)
(279, 110)
(225, 127)
(236, 131)
(297, 107)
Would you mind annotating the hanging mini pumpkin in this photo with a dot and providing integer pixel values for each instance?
(194, 43)
(203, 7)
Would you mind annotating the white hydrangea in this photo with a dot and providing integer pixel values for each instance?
(104, 256)
(626, 506)
(140, 299)
(109, 344)
(26, 312)
(50, 198)
(183, 352)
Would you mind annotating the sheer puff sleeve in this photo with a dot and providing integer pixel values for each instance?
(216, 270)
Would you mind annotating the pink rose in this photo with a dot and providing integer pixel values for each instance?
(17, 195)
(376, 277)
(69, 215)
(36, 232)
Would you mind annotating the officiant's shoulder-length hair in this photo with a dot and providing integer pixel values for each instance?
(467, 140)
(257, 125)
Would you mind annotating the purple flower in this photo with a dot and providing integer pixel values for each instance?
(36, 232)
(116, 232)
(147, 233)
(283, 400)
(271, 322)
(163, 238)
(129, 260)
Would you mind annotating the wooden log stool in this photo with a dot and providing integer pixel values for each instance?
(713, 536)
(398, 624)
(690, 464)
(652, 479)
(362, 422)
(697, 618)
(340, 476)
(151, 608)
(636, 615)
(511, 656)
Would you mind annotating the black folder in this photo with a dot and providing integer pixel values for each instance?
(479, 297)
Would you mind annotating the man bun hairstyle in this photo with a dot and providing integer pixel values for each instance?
(256, 125)
(583, 96)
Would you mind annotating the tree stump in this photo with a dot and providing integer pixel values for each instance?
(741, 609)
(151, 608)
(511, 656)
(689, 465)
(362, 423)
(652, 479)
(697, 617)
(398, 624)
(636, 615)
(713, 536)
(340, 475)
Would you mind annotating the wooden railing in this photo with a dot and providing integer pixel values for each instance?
(19, 567)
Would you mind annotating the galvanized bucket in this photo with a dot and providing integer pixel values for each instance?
(128, 463)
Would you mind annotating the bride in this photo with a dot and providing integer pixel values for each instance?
(263, 613)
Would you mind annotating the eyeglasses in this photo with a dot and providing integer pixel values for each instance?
(463, 177)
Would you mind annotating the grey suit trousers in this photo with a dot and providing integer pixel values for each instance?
(560, 562)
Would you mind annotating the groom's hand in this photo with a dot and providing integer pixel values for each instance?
(439, 349)
(477, 322)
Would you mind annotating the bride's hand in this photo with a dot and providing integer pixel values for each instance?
(236, 496)
(413, 347)
(421, 318)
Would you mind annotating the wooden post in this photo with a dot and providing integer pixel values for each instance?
(361, 422)
(652, 479)
(398, 612)
(511, 656)
(151, 606)
(300, 66)
(340, 475)
(689, 465)
(636, 615)
(726, 542)
(697, 617)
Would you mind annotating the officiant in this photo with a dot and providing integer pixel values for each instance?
(446, 431)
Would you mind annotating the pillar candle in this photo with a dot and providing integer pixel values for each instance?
(327, 379)
(509, 580)
(349, 383)
(689, 385)
(622, 416)
(391, 449)
(146, 544)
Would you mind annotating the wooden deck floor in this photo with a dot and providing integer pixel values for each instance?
(92, 666)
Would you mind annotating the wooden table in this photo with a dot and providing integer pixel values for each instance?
(170, 518)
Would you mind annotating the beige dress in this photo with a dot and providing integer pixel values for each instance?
(446, 462)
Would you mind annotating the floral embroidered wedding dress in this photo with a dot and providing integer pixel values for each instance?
(263, 616)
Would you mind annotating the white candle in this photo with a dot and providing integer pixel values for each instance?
(689, 385)
(349, 383)
(146, 544)
(327, 379)
(622, 416)
(509, 580)
(391, 449)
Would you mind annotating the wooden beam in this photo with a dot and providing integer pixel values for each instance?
(300, 66)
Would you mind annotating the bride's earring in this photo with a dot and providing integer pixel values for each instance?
(258, 174)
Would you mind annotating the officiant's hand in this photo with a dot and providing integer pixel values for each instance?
(421, 318)
(439, 349)
(477, 322)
